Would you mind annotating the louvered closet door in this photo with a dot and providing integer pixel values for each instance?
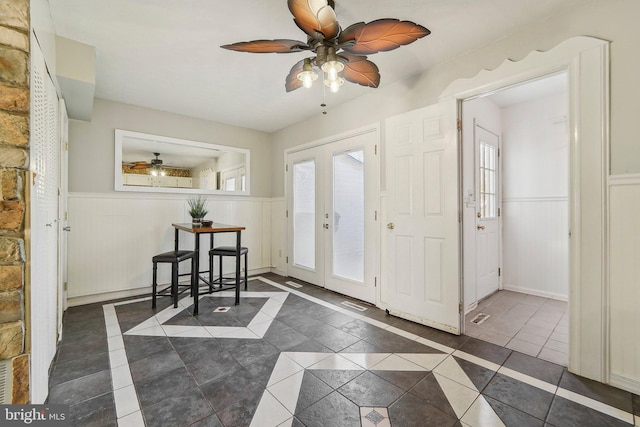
(44, 223)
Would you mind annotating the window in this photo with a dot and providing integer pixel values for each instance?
(488, 190)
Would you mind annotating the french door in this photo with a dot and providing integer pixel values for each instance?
(331, 192)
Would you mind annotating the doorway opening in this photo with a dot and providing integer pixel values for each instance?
(515, 202)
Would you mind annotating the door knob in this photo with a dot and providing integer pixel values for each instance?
(391, 226)
(66, 228)
(480, 227)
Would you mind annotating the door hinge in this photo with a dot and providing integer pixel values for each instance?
(459, 216)
(375, 149)
(375, 282)
(459, 307)
(499, 272)
(64, 286)
(286, 213)
(498, 211)
(286, 260)
(375, 215)
(286, 167)
(498, 152)
(459, 125)
(66, 146)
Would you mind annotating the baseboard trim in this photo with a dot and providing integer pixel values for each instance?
(629, 384)
(535, 292)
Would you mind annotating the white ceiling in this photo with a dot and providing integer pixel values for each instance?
(165, 54)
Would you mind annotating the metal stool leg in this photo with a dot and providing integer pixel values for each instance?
(174, 283)
(155, 285)
(245, 271)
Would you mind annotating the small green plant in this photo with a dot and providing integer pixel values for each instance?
(197, 207)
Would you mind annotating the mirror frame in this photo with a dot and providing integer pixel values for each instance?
(119, 186)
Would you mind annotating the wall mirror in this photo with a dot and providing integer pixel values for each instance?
(153, 163)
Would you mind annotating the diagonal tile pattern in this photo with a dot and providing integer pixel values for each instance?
(298, 357)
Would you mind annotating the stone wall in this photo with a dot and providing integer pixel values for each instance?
(14, 161)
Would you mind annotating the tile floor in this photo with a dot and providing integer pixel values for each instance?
(298, 357)
(526, 323)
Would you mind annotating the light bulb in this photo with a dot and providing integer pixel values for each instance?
(307, 75)
(307, 81)
(334, 85)
(154, 172)
(332, 74)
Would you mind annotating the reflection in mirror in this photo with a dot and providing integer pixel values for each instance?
(153, 163)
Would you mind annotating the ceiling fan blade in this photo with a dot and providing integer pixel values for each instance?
(315, 16)
(267, 46)
(361, 71)
(140, 165)
(292, 83)
(381, 35)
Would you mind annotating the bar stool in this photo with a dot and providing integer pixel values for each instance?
(174, 258)
(230, 251)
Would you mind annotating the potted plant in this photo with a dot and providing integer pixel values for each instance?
(197, 208)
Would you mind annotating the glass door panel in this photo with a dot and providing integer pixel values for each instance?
(304, 214)
(348, 215)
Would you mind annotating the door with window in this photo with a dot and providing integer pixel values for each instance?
(488, 213)
(331, 192)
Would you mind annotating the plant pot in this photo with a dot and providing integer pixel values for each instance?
(196, 221)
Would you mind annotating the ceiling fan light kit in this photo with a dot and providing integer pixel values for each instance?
(339, 54)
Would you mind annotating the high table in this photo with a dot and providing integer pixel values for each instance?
(197, 231)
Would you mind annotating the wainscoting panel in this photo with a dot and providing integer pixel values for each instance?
(114, 236)
(536, 246)
(278, 235)
(624, 281)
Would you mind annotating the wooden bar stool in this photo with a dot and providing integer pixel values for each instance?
(174, 258)
(230, 251)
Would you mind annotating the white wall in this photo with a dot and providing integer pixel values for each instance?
(535, 197)
(488, 115)
(91, 144)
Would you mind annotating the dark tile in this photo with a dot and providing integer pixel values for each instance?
(336, 319)
(444, 338)
(238, 414)
(394, 343)
(411, 327)
(210, 421)
(636, 404)
(363, 346)
(405, 380)
(369, 389)
(567, 413)
(205, 367)
(478, 375)
(297, 423)
(68, 350)
(97, 412)
(335, 378)
(138, 347)
(598, 391)
(80, 367)
(230, 389)
(537, 368)
(411, 411)
(519, 395)
(178, 410)
(512, 417)
(485, 350)
(184, 318)
(262, 368)
(310, 346)
(311, 391)
(176, 382)
(251, 351)
(360, 328)
(154, 365)
(334, 410)
(336, 339)
(82, 389)
(430, 391)
(283, 337)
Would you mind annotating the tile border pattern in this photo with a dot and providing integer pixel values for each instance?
(278, 402)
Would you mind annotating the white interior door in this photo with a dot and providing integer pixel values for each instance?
(423, 230)
(488, 213)
(44, 158)
(63, 223)
(332, 192)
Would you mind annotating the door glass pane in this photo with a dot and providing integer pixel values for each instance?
(304, 214)
(348, 215)
(488, 185)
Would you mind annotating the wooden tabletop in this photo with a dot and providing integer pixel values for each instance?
(213, 228)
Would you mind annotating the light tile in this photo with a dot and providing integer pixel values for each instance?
(436, 345)
(596, 405)
(402, 333)
(460, 397)
(542, 324)
(482, 414)
(554, 356)
(450, 369)
(149, 323)
(167, 314)
(288, 390)
(132, 420)
(534, 330)
(495, 338)
(269, 412)
(287, 423)
(259, 329)
(336, 362)
(121, 377)
(396, 363)
(113, 330)
(543, 385)
(308, 359)
(118, 358)
(427, 360)
(115, 343)
(153, 331)
(562, 347)
(364, 360)
(374, 322)
(524, 347)
(261, 317)
(197, 332)
(476, 360)
(238, 333)
(381, 412)
(126, 401)
(176, 330)
(285, 367)
(530, 338)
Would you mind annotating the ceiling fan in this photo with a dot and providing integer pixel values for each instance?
(154, 163)
(336, 50)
